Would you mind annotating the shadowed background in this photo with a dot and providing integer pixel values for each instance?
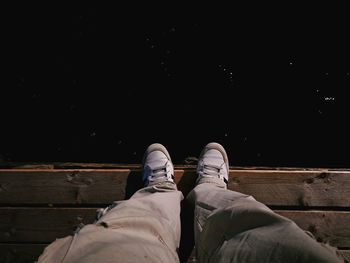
(99, 84)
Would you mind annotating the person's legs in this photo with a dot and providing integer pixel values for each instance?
(145, 228)
(233, 227)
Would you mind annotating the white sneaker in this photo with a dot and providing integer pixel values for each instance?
(157, 165)
(213, 163)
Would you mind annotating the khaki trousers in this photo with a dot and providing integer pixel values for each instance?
(229, 227)
(233, 227)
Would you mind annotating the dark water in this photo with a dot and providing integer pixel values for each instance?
(100, 84)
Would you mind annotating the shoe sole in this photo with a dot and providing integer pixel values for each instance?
(220, 148)
(155, 147)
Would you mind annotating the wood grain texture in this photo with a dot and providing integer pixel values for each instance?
(45, 187)
(82, 184)
(41, 225)
(191, 165)
(20, 253)
(46, 224)
(327, 226)
(314, 188)
(28, 253)
(294, 188)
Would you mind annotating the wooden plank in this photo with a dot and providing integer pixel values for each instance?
(273, 187)
(23, 253)
(43, 225)
(83, 166)
(186, 165)
(45, 187)
(20, 253)
(327, 226)
(294, 188)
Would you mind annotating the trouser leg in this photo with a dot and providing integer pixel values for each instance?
(233, 227)
(145, 228)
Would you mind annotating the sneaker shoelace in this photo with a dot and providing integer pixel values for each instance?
(211, 170)
(159, 172)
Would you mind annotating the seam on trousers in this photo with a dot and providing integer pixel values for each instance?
(69, 248)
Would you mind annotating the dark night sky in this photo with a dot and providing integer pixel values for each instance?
(101, 84)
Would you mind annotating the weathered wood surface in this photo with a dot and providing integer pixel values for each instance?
(294, 188)
(313, 188)
(331, 227)
(43, 225)
(187, 165)
(45, 187)
(81, 185)
(28, 253)
(20, 253)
